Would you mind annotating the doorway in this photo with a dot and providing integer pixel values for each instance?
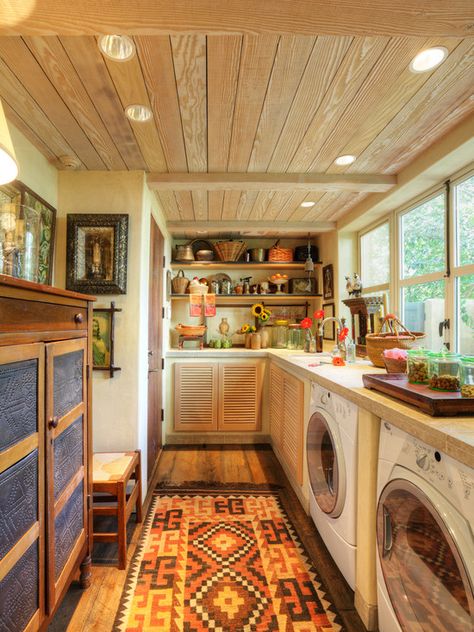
(155, 347)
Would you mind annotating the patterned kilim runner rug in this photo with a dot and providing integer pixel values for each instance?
(225, 561)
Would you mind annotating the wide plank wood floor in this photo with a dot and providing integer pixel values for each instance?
(93, 610)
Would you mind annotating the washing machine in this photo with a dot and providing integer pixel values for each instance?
(425, 544)
(331, 453)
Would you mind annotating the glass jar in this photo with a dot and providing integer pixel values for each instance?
(295, 337)
(444, 371)
(280, 334)
(266, 336)
(417, 366)
(467, 376)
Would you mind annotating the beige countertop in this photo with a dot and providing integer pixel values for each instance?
(452, 435)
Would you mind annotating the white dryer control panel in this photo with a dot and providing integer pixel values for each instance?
(452, 479)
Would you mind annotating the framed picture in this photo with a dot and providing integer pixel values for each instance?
(329, 332)
(17, 259)
(97, 253)
(103, 338)
(303, 286)
(328, 282)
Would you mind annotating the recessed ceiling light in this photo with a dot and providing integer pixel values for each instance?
(428, 59)
(138, 113)
(117, 47)
(307, 204)
(347, 159)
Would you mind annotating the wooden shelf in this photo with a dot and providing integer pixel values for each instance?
(254, 298)
(251, 265)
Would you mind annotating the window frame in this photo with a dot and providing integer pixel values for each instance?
(381, 287)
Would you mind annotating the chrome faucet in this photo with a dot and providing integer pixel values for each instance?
(340, 344)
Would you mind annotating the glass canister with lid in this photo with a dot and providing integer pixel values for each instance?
(444, 371)
(467, 376)
(280, 334)
(417, 366)
(295, 337)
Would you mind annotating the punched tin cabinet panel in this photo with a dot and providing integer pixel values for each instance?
(67, 528)
(68, 455)
(18, 501)
(19, 401)
(19, 592)
(68, 386)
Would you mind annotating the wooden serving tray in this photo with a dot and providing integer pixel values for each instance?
(435, 403)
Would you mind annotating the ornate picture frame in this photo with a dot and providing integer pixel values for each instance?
(328, 282)
(103, 339)
(18, 193)
(97, 247)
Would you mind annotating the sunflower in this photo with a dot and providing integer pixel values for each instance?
(265, 316)
(257, 310)
(244, 329)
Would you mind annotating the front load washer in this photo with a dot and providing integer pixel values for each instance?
(331, 451)
(425, 544)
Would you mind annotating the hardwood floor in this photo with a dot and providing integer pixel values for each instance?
(93, 610)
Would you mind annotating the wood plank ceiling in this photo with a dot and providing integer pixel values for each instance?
(238, 103)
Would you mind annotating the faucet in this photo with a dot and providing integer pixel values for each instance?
(340, 344)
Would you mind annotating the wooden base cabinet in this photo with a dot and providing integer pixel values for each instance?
(45, 450)
(287, 419)
(215, 396)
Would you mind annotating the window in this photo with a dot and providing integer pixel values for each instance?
(431, 283)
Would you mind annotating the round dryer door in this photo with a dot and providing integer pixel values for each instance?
(326, 466)
(422, 566)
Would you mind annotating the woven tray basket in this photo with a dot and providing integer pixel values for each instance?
(398, 336)
(276, 254)
(230, 250)
(190, 330)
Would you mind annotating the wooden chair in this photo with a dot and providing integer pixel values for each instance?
(111, 473)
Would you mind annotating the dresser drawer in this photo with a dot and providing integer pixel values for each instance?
(36, 316)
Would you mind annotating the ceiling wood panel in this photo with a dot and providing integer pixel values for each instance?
(156, 60)
(169, 205)
(257, 57)
(90, 67)
(184, 200)
(22, 63)
(28, 133)
(223, 63)
(305, 17)
(231, 204)
(215, 200)
(53, 59)
(301, 213)
(200, 204)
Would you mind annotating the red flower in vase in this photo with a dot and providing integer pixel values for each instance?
(319, 314)
(306, 323)
(343, 334)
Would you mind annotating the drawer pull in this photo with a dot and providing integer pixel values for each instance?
(78, 318)
(53, 422)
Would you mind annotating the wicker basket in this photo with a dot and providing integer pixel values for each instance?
(394, 366)
(230, 250)
(191, 330)
(180, 283)
(276, 254)
(397, 336)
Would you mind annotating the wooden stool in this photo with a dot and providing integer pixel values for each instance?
(112, 471)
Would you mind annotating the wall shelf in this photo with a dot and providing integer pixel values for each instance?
(239, 265)
(254, 298)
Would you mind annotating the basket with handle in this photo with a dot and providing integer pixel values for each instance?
(180, 283)
(230, 250)
(392, 334)
(277, 254)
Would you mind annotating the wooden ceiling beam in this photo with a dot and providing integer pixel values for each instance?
(271, 182)
(247, 227)
(303, 17)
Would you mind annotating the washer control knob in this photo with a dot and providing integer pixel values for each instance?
(423, 462)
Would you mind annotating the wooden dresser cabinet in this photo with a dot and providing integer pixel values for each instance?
(45, 449)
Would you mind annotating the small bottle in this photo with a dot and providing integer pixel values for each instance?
(350, 351)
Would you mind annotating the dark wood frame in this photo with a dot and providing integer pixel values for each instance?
(111, 311)
(326, 307)
(330, 272)
(119, 223)
(18, 188)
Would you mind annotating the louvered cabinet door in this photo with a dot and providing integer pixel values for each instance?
(276, 405)
(22, 537)
(240, 388)
(292, 436)
(196, 393)
(66, 447)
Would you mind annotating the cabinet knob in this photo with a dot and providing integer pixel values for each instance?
(53, 422)
(78, 318)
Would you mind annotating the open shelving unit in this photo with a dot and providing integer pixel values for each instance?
(252, 298)
(238, 265)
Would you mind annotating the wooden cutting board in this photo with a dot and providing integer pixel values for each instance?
(435, 403)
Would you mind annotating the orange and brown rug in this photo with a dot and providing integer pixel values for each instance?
(222, 561)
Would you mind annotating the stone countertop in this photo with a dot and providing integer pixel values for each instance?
(452, 435)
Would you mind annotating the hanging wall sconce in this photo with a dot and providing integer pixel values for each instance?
(8, 163)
